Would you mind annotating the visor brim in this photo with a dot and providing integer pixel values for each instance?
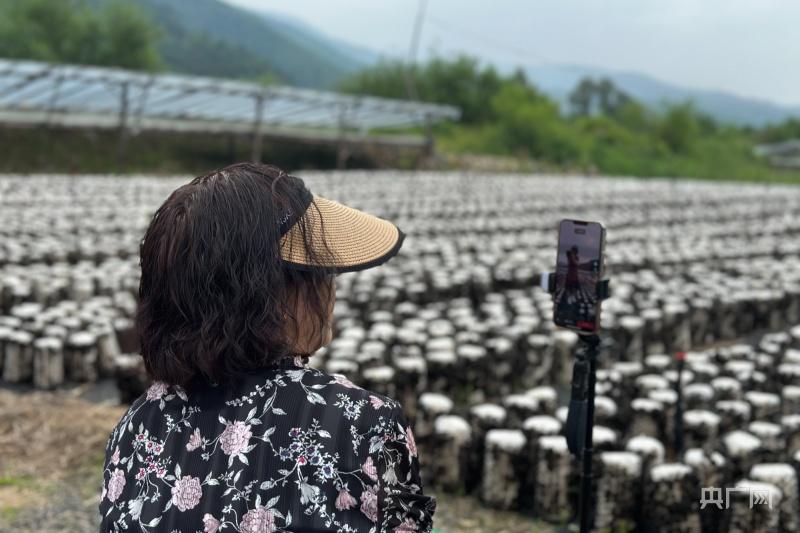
(341, 239)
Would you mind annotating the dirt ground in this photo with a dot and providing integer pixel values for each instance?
(51, 454)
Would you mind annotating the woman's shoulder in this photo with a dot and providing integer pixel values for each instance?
(159, 396)
(290, 387)
(343, 384)
(337, 390)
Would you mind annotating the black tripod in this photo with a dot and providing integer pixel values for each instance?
(580, 417)
(580, 421)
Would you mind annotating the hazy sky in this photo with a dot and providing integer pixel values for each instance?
(747, 47)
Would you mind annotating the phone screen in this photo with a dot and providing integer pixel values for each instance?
(579, 267)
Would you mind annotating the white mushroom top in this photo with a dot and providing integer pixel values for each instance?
(701, 417)
(702, 391)
(379, 373)
(773, 472)
(440, 343)
(441, 356)
(696, 457)
(627, 461)
(454, 426)
(508, 440)
(471, 352)
(643, 404)
(738, 406)
(556, 443)
(542, 424)
(631, 323)
(565, 337)
(47, 343)
(81, 339)
(644, 445)
(764, 429)
(659, 361)
(489, 411)
(652, 381)
(411, 363)
(521, 400)
(602, 434)
(726, 383)
(543, 393)
(628, 368)
(762, 398)
(740, 443)
(436, 403)
(791, 391)
(669, 471)
(604, 404)
(791, 421)
(665, 396)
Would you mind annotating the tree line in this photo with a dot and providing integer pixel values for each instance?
(602, 127)
(69, 31)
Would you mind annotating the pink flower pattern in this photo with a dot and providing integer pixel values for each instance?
(235, 437)
(210, 524)
(341, 380)
(345, 500)
(369, 469)
(156, 391)
(258, 520)
(115, 485)
(215, 480)
(369, 503)
(186, 493)
(194, 441)
(411, 444)
(376, 402)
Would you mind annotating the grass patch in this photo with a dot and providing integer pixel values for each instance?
(9, 514)
(12, 481)
(18, 493)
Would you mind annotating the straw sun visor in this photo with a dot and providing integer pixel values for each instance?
(355, 240)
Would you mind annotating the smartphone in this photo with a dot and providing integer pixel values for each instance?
(579, 267)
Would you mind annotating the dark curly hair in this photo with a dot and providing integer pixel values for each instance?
(215, 299)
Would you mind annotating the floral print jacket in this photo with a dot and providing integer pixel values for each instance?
(289, 448)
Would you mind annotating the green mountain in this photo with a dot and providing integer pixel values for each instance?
(211, 37)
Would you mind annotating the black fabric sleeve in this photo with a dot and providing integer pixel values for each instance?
(402, 506)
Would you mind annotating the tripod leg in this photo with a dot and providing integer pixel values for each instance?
(585, 506)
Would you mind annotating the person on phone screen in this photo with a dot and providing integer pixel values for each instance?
(572, 282)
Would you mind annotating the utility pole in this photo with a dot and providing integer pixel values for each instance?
(124, 112)
(255, 150)
(411, 63)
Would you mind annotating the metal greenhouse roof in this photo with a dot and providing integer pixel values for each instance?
(81, 96)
